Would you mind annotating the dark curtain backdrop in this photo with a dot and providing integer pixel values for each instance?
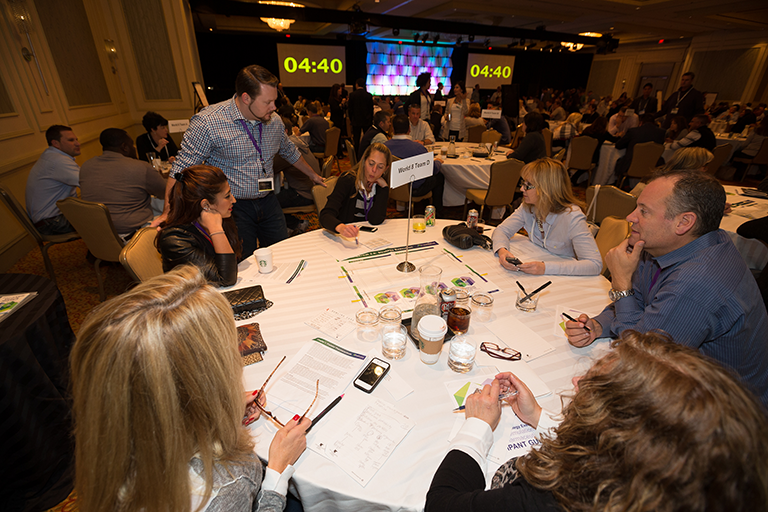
(223, 55)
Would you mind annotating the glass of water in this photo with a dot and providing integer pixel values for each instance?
(393, 343)
(367, 325)
(461, 357)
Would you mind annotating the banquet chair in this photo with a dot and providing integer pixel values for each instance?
(761, 158)
(320, 194)
(331, 146)
(93, 223)
(140, 257)
(328, 166)
(502, 186)
(611, 201)
(400, 193)
(351, 152)
(582, 149)
(644, 159)
(721, 154)
(475, 133)
(44, 242)
(490, 136)
(516, 137)
(547, 134)
(612, 231)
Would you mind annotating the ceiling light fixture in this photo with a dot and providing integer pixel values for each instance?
(278, 24)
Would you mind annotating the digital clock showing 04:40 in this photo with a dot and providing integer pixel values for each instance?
(334, 66)
(490, 72)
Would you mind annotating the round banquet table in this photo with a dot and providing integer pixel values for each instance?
(402, 482)
(37, 451)
(754, 252)
(465, 172)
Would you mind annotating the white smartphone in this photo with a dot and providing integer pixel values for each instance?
(372, 375)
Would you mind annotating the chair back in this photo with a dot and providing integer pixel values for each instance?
(20, 213)
(610, 201)
(401, 194)
(140, 257)
(612, 231)
(328, 166)
(644, 159)
(332, 140)
(351, 153)
(582, 149)
(94, 224)
(490, 136)
(721, 154)
(516, 137)
(502, 186)
(761, 158)
(547, 134)
(320, 194)
(475, 133)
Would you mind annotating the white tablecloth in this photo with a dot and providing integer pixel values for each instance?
(754, 252)
(402, 482)
(609, 155)
(465, 172)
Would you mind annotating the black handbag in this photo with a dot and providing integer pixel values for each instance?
(247, 302)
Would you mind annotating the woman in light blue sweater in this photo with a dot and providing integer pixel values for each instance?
(554, 220)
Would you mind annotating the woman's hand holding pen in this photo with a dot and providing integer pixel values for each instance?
(347, 231)
(485, 405)
(523, 403)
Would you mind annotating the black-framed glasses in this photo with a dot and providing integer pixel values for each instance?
(269, 414)
(527, 186)
(497, 352)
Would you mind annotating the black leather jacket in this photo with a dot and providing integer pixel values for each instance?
(180, 245)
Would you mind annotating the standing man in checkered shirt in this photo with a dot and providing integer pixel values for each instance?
(241, 136)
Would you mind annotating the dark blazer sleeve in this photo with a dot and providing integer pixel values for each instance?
(623, 142)
(143, 147)
(458, 486)
(334, 212)
(178, 246)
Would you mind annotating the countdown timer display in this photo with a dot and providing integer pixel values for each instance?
(303, 65)
(490, 71)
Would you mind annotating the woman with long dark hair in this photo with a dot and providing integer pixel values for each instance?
(200, 229)
(533, 146)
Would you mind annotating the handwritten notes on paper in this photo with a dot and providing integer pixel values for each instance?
(362, 436)
(334, 324)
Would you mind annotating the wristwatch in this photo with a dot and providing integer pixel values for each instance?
(615, 295)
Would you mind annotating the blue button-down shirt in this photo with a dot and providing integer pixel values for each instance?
(54, 176)
(705, 297)
(217, 137)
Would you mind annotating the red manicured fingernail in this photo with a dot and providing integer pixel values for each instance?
(255, 393)
(296, 418)
(249, 421)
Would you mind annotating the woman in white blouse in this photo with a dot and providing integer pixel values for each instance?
(455, 111)
(554, 220)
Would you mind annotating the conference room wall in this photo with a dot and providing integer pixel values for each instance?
(28, 110)
(721, 56)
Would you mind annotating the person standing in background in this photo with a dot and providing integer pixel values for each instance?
(360, 110)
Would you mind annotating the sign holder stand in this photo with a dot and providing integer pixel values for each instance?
(406, 266)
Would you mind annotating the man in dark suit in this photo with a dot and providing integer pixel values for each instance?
(646, 132)
(360, 109)
(686, 101)
(645, 104)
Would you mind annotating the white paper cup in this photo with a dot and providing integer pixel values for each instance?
(264, 259)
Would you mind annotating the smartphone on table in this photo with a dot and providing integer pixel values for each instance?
(369, 229)
(514, 261)
(373, 373)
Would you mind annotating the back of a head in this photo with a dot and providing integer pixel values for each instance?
(288, 125)
(400, 124)
(534, 122)
(360, 83)
(112, 138)
(655, 425)
(312, 108)
(156, 378)
(697, 192)
(251, 78)
(647, 119)
(474, 110)
(574, 118)
(193, 184)
(687, 158)
(54, 132)
(703, 119)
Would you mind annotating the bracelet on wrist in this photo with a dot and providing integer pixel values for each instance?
(218, 233)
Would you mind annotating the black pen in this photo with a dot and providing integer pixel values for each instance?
(534, 292)
(521, 287)
(569, 317)
(325, 411)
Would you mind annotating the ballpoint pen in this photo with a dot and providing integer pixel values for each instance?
(534, 292)
(502, 396)
(324, 412)
(569, 317)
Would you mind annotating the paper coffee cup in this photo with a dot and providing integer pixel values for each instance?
(264, 260)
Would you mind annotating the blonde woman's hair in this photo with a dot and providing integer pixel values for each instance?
(574, 118)
(474, 110)
(156, 380)
(359, 170)
(655, 426)
(553, 186)
(688, 158)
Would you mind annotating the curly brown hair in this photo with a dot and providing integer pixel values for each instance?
(655, 426)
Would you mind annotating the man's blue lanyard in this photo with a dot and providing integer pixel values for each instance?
(255, 144)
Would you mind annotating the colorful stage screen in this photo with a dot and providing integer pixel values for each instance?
(393, 68)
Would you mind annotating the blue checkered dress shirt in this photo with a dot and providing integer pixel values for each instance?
(217, 137)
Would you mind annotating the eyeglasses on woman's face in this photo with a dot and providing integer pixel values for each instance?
(527, 186)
